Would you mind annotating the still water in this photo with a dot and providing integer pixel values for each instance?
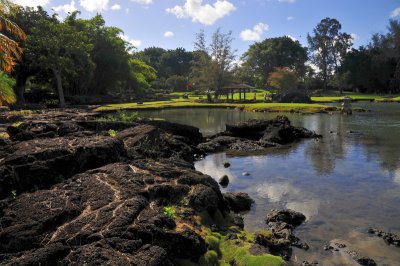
(344, 183)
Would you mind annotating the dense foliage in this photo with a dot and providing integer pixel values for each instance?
(83, 60)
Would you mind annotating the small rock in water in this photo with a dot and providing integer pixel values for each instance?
(389, 238)
(226, 164)
(224, 181)
(245, 174)
(340, 245)
(306, 263)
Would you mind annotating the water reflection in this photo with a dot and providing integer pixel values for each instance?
(344, 183)
(396, 177)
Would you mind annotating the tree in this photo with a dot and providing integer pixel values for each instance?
(140, 77)
(283, 78)
(328, 46)
(177, 83)
(28, 19)
(10, 50)
(61, 49)
(263, 57)
(212, 67)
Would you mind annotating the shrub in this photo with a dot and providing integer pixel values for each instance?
(7, 95)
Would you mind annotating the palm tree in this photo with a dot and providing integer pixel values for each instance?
(10, 51)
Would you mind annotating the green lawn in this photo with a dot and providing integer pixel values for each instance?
(270, 107)
(355, 96)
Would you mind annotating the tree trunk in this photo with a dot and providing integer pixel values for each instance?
(57, 74)
(20, 89)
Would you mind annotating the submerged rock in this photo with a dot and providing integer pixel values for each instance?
(362, 260)
(389, 238)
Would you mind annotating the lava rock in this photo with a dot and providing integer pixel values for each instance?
(238, 201)
(227, 164)
(287, 216)
(224, 181)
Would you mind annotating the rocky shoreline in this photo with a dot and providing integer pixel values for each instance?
(77, 191)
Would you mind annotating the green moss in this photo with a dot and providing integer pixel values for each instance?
(209, 259)
(223, 252)
(264, 233)
(240, 254)
(18, 124)
(170, 211)
(4, 135)
(112, 133)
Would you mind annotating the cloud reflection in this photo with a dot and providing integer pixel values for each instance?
(396, 177)
(292, 197)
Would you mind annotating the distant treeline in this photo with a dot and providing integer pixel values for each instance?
(83, 58)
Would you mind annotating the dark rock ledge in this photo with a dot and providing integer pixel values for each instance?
(256, 135)
(79, 192)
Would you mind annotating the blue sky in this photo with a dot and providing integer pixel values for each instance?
(173, 23)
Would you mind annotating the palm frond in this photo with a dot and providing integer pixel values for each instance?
(10, 51)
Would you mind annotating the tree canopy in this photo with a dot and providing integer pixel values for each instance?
(264, 57)
(328, 46)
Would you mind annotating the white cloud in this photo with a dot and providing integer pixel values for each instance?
(205, 14)
(67, 8)
(116, 7)
(395, 13)
(354, 36)
(143, 2)
(133, 42)
(255, 33)
(287, 1)
(94, 5)
(169, 34)
(290, 18)
(31, 3)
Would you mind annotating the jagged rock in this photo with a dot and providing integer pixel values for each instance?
(96, 216)
(40, 163)
(290, 217)
(238, 201)
(202, 197)
(256, 135)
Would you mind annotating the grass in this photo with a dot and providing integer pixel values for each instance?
(269, 107)
(355, 96)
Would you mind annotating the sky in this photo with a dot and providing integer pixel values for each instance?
(173, 23)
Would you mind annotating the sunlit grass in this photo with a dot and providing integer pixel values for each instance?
(356, 96)
(269, 107)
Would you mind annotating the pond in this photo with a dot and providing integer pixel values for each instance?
(344, 183)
